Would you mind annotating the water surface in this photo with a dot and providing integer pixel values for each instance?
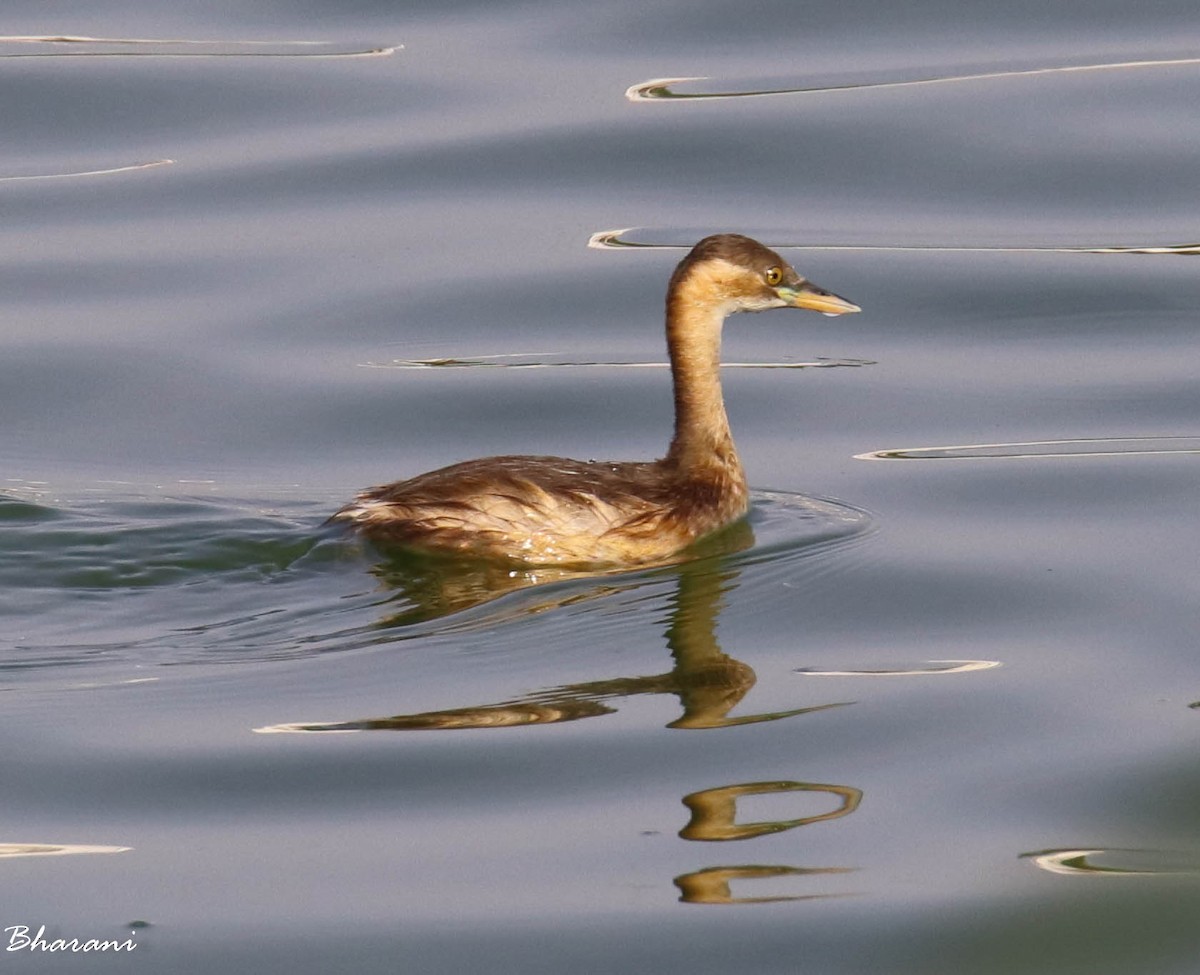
(912, 717)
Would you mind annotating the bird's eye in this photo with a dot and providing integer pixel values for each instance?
(773, 276)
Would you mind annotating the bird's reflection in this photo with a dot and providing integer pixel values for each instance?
(713, 820)
(711, 885)
(708, 682)
(714, 810)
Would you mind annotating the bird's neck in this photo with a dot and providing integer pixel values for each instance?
(703, 445)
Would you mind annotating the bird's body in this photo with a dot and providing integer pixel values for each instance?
(534, 510)
(552, 510)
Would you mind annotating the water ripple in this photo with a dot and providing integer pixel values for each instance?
(667, 89)
(170, 581)
(1099, 447)
(132, 167)
(54, 849)
(619, 240)
(13, 46)
(1112, 862)
(551, 360)
(926, 668)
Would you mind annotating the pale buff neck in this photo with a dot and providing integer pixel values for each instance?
(702, 443)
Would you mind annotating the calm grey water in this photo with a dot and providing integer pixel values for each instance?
(928, 712)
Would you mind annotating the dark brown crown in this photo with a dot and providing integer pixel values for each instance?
(736, 249)
(733, 248)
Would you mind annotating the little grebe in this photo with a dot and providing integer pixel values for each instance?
(555, 511)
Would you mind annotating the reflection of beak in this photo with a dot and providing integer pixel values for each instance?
(808, 295)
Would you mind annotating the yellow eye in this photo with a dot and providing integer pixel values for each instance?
(773, 276)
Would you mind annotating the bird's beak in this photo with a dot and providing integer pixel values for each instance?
(808, 295)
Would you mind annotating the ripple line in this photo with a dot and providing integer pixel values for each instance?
(185, 48)
(1075, 863)
(930, 667)
(662, 89)
(616, 240)
(541, 360)
(54, 849)
(1137, 863)
(1097, 447)
(133, 167)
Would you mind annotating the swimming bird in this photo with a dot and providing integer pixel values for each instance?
(532, 510)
